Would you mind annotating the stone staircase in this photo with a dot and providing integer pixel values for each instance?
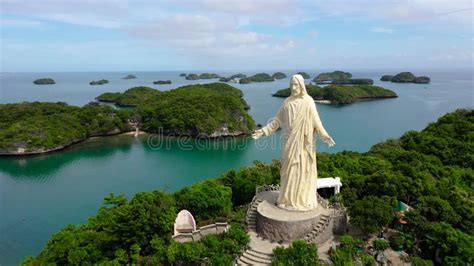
(251, 217)
(259, 251)
(323, 223)
(254, 257)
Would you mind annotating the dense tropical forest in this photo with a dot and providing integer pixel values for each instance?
(213, 109)
(430, 170)
(342, 94)
(130, 98)
(35, 127)
(199, 109)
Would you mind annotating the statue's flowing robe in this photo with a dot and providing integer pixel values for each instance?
(300, 121)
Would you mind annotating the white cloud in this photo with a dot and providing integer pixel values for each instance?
(103, 14)
(381, 30)
(206, 36)
(230, 31)
(430, 12)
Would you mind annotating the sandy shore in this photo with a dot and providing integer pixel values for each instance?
(132, 133)
(323, 101)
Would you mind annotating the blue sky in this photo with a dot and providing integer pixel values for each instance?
(114, 35)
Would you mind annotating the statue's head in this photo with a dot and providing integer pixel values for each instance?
(297, 86)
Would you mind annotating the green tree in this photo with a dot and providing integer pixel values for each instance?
(380, 244)
(206, 200)
(298, 253)
(371, 213)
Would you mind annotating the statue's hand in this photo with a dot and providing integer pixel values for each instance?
(257, 134)
(329, 141)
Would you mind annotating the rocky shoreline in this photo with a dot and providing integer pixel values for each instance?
(215, 135)
(21, 152)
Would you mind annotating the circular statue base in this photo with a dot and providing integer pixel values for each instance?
(277, 224)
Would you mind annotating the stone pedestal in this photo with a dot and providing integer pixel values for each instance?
(281, 225)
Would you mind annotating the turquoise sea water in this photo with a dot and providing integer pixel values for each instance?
(41, 194)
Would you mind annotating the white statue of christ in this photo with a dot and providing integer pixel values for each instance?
(301, 123)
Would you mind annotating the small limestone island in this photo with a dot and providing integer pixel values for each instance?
(209, 110)
(304, 75)
(279, 75)
(342, 94)
(182, 75)
(234, 78)
(406, 77)
(212, 110)
(260, 77)
(99, 82)
(162, 82)
(44, 81)
(129, 77)
(202, 76)
(329, 77)
(340, 77)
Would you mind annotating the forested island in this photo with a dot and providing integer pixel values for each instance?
(44, 81)
(430, 170)
(304, 74)
(406, 77)
(259, 77)
(202, 76)
(99, 82)
(162, 82)
(214, 109)
(129, 77)
(234, 78)
(343, 94)
(35, 127)
(341, 77)
(279, 75)
(332, 76)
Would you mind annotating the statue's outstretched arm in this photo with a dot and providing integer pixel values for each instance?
(318, 127)
(270, 128)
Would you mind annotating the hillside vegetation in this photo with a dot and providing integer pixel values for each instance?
(130, 98)
(35, 127)
(214, 109)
